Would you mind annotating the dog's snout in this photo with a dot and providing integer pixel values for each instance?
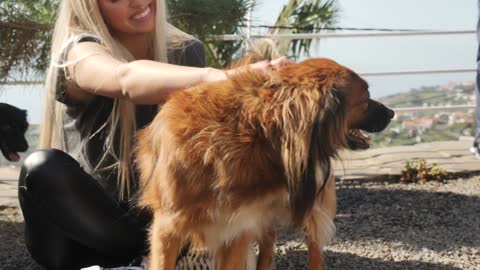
(390, 113)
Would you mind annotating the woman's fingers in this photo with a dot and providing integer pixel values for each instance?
(264, 64)
(275, 63)
(280, 62)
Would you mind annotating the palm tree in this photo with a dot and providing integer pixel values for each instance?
(25, 35)
(303, 16)
(206, 18)
(25, 29)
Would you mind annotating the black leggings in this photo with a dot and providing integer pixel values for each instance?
(70, 221)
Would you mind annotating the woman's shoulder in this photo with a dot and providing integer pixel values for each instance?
(87, 37)
(64, 78)
(78, 38)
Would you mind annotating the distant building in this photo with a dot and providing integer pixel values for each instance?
(421, 125)
(468, 83)
(448, 86)
(453, 85)
(460, 117)
(442, 119)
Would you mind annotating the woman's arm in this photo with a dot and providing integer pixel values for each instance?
(152, 81)
(94, 71)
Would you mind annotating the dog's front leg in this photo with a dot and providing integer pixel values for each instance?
(321, 228)
(265, 245)
(165, 246)
(315, 255)
(234, 255)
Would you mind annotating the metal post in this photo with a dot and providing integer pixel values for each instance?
(249, 24)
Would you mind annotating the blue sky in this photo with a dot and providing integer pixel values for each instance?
(398, 53)
(367, 54)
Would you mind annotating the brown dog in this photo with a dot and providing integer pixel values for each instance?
(221, 161)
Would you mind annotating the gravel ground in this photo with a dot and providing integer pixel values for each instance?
(379, 226)
(13, 254)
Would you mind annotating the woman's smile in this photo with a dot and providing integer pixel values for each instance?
(142, 15)
(132, 17)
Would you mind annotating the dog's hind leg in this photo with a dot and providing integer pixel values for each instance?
(165, 245)
(234, 255)
(266, 244)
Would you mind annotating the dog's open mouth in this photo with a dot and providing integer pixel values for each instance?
(10, 155)
(357, 139)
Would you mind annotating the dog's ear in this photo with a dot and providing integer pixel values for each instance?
(333, 125)
(303, 187)
(295, 112)
(312, 127)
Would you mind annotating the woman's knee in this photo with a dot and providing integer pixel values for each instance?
(45, 169)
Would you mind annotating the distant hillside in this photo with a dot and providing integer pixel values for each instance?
(451, 93)
(424, 126)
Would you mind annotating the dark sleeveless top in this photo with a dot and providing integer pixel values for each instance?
(83, 137)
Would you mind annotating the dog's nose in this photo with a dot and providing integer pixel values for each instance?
(390, 113)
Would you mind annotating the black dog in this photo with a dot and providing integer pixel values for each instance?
(13, 125)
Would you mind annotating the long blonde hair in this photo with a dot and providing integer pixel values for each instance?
(83, 16)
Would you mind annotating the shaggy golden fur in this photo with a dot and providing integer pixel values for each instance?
(222, 161)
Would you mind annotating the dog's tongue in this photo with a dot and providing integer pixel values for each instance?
(362, 136)
(14, 156)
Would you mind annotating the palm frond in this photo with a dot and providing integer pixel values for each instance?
(25, 28)
(205, 18)
(303, 16)
(25, 31)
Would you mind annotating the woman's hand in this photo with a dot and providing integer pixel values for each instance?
(275, 63)
(213, 74)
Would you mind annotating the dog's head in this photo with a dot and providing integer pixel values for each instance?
(334, 98)
(362, 112)
(322, 108)
(13, 125)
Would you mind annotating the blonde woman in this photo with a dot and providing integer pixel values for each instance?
(112, 63)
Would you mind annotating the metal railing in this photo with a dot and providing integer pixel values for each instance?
(366, 74)
(345, 35)
(418, 72)
(22, 83)
(435, 108)
(383, 73)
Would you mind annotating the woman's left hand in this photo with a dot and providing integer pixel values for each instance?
(213, 74)
(275, 63)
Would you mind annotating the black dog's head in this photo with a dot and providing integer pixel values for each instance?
(13, 125)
